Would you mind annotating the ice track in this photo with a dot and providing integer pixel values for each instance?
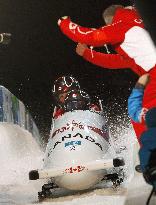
(20, 153)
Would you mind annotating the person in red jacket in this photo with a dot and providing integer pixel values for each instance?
(126, 33)
(69, 96)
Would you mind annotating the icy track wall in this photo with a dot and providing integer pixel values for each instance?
(12, 110)
(20, 142)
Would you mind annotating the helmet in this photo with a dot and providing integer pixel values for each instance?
(65, 84)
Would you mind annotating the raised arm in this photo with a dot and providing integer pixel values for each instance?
(91, 36)
(110, 61)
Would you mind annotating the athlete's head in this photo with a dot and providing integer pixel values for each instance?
(77, 100)
(62, 86)
(109, 13)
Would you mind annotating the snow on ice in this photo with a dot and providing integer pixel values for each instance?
(20, 153)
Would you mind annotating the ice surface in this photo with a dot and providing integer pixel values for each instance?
(19, 153)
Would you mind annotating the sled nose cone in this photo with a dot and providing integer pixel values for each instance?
(33, 175)
(117, 162)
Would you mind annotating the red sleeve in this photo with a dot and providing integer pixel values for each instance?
(111, 34)
(58, 113)
(110, 61)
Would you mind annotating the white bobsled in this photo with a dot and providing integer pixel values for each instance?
(78, 154)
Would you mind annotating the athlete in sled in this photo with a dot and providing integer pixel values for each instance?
(78, 154)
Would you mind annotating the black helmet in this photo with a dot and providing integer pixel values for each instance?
(65, 84)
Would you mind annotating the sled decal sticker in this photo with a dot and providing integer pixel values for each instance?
(79, 125)
(72, 144)
(76, 169)
(78, 135)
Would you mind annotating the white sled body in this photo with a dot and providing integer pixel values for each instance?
(77, 150)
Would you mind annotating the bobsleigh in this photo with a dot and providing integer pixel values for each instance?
(78, 154)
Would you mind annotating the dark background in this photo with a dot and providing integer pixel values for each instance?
(39, 53)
